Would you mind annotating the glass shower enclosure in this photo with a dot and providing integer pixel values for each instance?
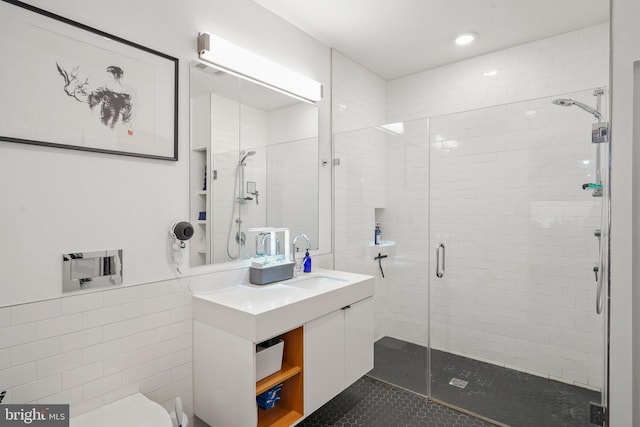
(491, 222)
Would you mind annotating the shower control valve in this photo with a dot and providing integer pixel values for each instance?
(600, 132)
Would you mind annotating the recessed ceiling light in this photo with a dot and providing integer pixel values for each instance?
(490, 73)
(466, 38)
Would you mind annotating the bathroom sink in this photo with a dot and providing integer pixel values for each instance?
(257, 313)
(256, 299)
(315, 283)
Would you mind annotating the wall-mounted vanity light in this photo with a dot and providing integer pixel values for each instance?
(246, 64)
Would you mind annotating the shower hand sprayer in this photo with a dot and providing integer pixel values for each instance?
(599, 135)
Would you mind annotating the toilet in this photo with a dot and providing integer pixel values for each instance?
(132, 411)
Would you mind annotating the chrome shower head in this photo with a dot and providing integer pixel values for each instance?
(563, 102)
(566, 102)
(248, 154)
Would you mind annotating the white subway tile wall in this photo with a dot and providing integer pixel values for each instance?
(358, 99)
(406, 223)
(358, 96)
(292, 165)
(91, 349)
(293, 170)
(526, 148)
(568, 62)
(507, 201)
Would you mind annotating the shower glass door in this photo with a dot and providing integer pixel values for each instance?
(514, 335)
(381, 177)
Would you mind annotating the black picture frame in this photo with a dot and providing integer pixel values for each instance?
(72, 86)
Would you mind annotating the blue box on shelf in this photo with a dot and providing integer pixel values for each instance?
(269, 398)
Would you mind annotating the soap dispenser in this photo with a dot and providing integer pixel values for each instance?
(306, 262)
(377, 235)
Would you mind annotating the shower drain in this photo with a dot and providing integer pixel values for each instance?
(456, 382)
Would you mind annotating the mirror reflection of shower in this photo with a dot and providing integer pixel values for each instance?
(241, 198)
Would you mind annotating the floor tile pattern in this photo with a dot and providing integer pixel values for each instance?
(505, 395)
(372, 403)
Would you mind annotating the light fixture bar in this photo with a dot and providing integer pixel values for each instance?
(246, 64)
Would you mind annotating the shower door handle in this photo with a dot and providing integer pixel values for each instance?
(440, 254)
(599, 282)
(598, 269)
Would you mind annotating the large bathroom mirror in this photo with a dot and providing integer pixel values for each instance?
(254, 164)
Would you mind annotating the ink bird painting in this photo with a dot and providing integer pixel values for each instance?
(114, 106)
(72, 86)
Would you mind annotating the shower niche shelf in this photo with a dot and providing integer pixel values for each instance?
(199, 202)
(386, 247)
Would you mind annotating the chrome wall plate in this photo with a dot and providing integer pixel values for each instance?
(89, 270)
(600, 133)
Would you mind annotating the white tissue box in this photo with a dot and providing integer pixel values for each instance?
(268, 360)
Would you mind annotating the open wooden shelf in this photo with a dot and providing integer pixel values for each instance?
(289, 408)
(274, 379)
(278, 416)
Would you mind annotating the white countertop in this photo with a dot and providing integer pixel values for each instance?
(259, 312)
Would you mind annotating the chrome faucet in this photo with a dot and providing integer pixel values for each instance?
(266, 244)
(296, 267)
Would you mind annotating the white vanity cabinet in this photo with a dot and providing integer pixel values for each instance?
(358, 340)
(338, 350)
(326, 322)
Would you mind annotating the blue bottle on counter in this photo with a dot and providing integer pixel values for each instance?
(377, 235)
(306, 262)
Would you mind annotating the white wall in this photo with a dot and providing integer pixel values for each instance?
(406, 222)
(68, 201)
(360, 179)
(564, 63)
(625, 298)
(89, 349)
(358, 95)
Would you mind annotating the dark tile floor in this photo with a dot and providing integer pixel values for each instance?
(372, 403)
(505, 395)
